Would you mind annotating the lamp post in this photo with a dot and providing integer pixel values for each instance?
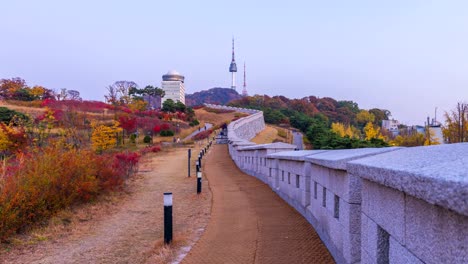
(167, 218)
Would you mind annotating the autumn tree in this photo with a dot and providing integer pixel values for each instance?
(456, 126)
(364, 117)
(119, 92)
(372, 131)
(8, 87)
(112, 96)
(11, 138)
(343, 130)
(39, 93)
(74, 95)
(430, 138)
(104, 137)
(379, 115)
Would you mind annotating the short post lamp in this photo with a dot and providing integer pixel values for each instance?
(199, 182)
(189, 152)
(167, 218)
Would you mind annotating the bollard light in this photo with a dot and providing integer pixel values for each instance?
(199, 182)
(167, 217)
(189, 156)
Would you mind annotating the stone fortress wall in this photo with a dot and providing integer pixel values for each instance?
(371, 205)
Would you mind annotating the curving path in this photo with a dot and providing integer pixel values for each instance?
(206, 127)
(250, 223)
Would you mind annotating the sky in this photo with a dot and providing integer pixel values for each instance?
(407, 56)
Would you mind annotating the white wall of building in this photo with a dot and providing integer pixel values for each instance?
(174, 90)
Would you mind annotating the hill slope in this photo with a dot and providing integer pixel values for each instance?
(212, 96)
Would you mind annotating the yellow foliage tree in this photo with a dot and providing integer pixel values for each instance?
(343, 130)
(364, 117)
(372, 131)
(5, 142)
(104, 137)
(430, 138)
(411, 140)
(37, 91)
(339, 129)
(137, 104)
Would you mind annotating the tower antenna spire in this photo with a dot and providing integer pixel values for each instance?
(244, 91)
(233, 59)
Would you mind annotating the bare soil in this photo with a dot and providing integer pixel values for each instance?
(123, 227)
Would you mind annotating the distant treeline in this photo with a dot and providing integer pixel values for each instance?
(328, 123)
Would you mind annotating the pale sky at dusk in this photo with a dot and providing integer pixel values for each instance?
(406, 56)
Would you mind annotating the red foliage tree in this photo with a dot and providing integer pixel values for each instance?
(157, 129)
(165, 126)
(128, 123)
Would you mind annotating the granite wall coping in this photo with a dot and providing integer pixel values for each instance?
(298, 155)
(241, 144)
(337, 159)
(277, 145)
(437, 174)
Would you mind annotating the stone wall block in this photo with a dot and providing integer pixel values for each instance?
(435, 234)
(386, 207)
(399, 254)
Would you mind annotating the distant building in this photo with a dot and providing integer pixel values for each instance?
(391, 126)
(173, 86)
(435, 129)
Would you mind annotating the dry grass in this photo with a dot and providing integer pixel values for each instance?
(213, 118)
(32, 111)
(268, 135)
(273, 134)
(90, 224)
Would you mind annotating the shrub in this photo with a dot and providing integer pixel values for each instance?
(167, 133)
(6, 115)
(36, 184)
(157, 129)
(133, 138)
(149, 149)
(203, 135)
(147, 139)
(126, 163)
(195, 122)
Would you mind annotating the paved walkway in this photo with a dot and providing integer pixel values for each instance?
(204, 128)
(250, 223)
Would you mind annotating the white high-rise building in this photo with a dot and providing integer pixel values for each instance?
(173, 86)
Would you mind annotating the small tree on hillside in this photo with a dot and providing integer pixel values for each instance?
(169, 106)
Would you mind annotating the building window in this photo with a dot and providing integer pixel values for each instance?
(297, 181)
(324, 200)
(289, 178)
(282, 175)
(270, 172)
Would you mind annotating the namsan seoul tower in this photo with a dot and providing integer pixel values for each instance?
(233, 68)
